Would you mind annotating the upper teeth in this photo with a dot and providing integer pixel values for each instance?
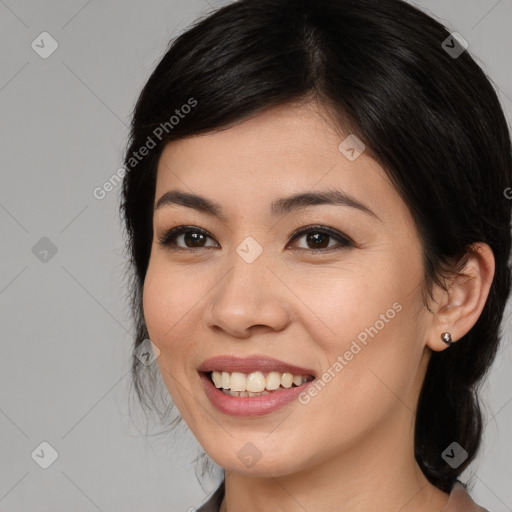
(256, 381)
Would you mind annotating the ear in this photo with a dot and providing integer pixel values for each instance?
(458, 308)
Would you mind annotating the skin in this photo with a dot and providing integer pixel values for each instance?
(351, 448)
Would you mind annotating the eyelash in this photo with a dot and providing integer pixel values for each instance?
(168, 239)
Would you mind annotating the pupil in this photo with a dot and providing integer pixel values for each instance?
(193, 238)
(317, 241)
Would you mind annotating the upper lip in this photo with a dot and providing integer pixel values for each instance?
(231, 364)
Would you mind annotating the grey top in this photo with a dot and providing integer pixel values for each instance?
(459, 501)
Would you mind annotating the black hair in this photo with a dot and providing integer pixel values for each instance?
(429, 117)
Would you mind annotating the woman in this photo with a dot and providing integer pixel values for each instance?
(319, 235)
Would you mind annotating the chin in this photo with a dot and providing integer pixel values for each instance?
(257, 459)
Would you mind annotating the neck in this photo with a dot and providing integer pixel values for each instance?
(378, 472)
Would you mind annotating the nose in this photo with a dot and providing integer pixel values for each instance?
(248, 299)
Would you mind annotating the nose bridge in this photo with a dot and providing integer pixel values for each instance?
(243, 283)
(246, 296)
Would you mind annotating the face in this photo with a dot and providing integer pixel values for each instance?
(330, 287)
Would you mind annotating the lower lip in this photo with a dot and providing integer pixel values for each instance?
(252, 405)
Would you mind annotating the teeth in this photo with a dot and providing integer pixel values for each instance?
(217, 379)
(244, 393)
(297, 380)
(255, 383)
(237, 382)
(287, 380)
(273, 381)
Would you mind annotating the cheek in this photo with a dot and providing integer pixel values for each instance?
(344, 303)
(168, 305)
(365, 325)
(155, 303)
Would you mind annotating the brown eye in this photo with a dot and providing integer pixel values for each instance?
(186, 237)
(193, 239)
(318, 238)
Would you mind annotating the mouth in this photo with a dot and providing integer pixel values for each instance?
(252, 386)
(255, 384)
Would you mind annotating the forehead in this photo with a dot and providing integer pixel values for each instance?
(282, 151)
(281, 134)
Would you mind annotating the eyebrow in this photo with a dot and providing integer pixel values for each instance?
(279, 206)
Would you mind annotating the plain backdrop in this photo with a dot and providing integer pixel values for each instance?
(65, 349)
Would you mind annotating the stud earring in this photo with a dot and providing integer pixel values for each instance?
(447, 338)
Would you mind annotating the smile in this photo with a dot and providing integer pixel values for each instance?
(255, 383)
(252, 386)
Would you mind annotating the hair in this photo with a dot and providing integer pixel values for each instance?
(432, 121)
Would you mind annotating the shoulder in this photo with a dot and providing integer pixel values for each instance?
(214, 501)
(461, 501)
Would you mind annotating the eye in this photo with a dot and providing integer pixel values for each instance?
(192, 236)
(316, 239)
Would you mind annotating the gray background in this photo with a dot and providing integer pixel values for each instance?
(65, 321)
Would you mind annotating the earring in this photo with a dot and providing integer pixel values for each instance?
(447, 338)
